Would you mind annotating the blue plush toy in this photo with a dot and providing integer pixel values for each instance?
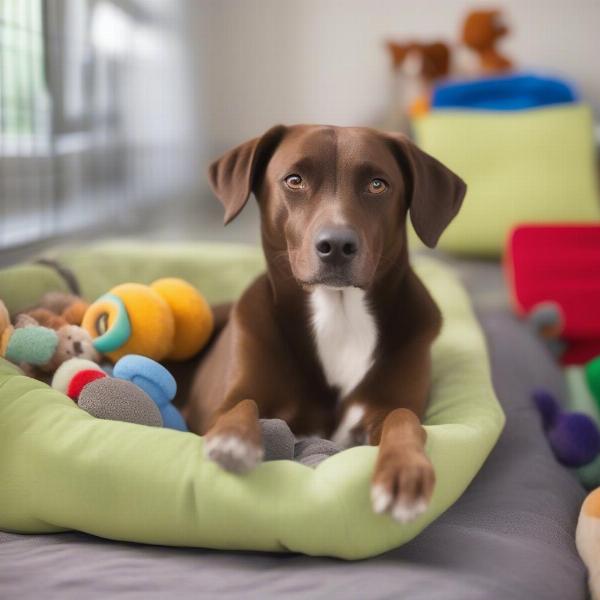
(156, 381)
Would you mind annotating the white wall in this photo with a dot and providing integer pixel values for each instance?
(289, 61)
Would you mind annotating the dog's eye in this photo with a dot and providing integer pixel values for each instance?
(376, 186)
(294, 182)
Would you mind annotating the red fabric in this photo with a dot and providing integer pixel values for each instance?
(80, 380)
(559, 263)
(579, 352)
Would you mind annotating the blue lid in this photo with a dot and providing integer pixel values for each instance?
(504, 93)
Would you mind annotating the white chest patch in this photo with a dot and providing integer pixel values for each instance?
(345, 333)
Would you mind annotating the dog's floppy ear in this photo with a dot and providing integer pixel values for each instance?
(434, 192)
(233, 176)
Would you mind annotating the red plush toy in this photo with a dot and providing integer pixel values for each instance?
(559, 266)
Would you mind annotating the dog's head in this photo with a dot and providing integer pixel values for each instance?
(334, 200)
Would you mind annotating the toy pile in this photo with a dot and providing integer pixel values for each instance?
(44, 337)
(572, 424)
(104, 355)
(422, 66)
(553, 272)
(470, 73)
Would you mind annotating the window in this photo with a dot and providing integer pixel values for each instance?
(95, 117)
(25, 205)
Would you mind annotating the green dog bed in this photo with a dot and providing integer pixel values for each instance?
(61, 469)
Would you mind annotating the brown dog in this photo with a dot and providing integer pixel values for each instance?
(335, 337)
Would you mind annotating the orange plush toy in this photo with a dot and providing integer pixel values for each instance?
(432, 60)
(481, 31)
(419, 65)
(167, 320)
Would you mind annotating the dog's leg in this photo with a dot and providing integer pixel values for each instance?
(235, 440)
(390, 401)
(404, 478)
(233, 386)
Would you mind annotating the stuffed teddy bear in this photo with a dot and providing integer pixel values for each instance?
(167, 320)
(69, 307)
(40, 349)
(481, 31)
(417, 67)
(71, 340)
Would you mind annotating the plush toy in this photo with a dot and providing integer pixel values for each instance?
(420, 65)
(432, 59)
(118, 400)
(140, 391)
(588, 525)
(573, 436)
(416, 67)
(106, 397)
(584, 395)
(73, 375)
(71, 340)
(68, 308)
(592, 377)
(587, 538)
(573, 429)
(31, 345)
(547, 321)
(557, 266)
(481, 31)
(168, 320)
(156, 381)
(38, 349)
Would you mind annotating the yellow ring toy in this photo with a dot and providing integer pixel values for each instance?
(168, 320)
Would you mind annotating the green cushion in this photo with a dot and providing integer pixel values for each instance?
(18, 295)
(221, 271)
(521, 166)
(62, 469)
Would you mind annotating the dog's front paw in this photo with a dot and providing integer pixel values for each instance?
(403, 487)
(233, 453)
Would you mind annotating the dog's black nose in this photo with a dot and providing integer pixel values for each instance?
(336, 245)
(77, 347)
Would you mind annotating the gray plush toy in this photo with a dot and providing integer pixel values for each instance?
(281, 444)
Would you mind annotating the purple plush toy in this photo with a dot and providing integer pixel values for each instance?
(573, 436)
